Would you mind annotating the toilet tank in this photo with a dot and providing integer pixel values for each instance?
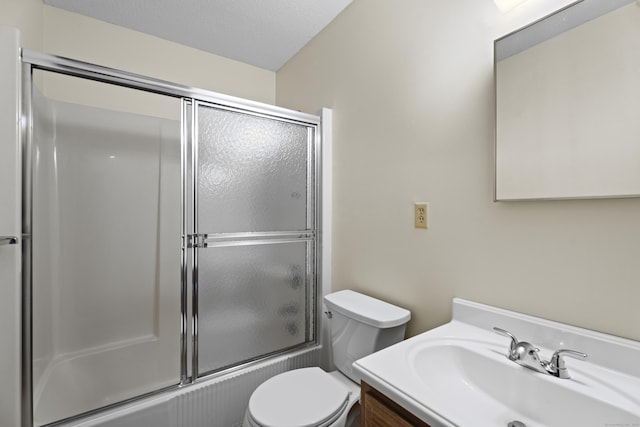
(361, 325)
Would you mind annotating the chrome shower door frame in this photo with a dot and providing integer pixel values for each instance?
(190, 240)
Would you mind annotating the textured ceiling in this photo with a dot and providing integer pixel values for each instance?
(264, 33)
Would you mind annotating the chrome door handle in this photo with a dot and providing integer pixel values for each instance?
(8, 240)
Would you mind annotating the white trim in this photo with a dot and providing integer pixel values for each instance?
(326, 126)
(326, 237)
(10, 216)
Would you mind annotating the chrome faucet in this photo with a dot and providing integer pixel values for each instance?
(556, 365)
(526, 354)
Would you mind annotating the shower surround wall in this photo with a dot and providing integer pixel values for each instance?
(105, 281)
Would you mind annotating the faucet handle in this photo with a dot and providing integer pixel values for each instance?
(514, 340)
(557, 362)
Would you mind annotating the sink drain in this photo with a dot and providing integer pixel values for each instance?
(516, 423)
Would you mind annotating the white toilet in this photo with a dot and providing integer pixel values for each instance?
(311, 397)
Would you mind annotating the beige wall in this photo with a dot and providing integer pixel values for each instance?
(26, 16)
(76, 36)
(411, 87)
(59, 32)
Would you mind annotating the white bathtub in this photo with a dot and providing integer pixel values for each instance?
(219, 402)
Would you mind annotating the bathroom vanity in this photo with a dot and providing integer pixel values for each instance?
(378, 410)
(502, 381)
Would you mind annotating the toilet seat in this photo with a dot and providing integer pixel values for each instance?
(307, 397)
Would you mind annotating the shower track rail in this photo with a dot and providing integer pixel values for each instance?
(191, 96)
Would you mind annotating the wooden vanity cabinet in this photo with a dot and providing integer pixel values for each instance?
(377, 410)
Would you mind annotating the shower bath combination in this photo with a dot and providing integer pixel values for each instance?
(171, 238)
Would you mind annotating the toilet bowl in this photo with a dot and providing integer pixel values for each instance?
(308, 397)
(311, 397)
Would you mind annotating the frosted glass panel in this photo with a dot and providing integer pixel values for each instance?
(252, 301)
(252, 173)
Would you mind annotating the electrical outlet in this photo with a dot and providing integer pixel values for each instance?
(421, 213)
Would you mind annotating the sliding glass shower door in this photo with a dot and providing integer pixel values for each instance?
(255, 218)
(171, 234)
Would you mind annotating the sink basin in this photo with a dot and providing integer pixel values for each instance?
(495, 391)
(459, 375)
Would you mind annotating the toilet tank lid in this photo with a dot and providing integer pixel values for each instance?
(367, 309)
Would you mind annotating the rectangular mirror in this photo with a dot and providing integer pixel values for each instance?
(568, 104)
